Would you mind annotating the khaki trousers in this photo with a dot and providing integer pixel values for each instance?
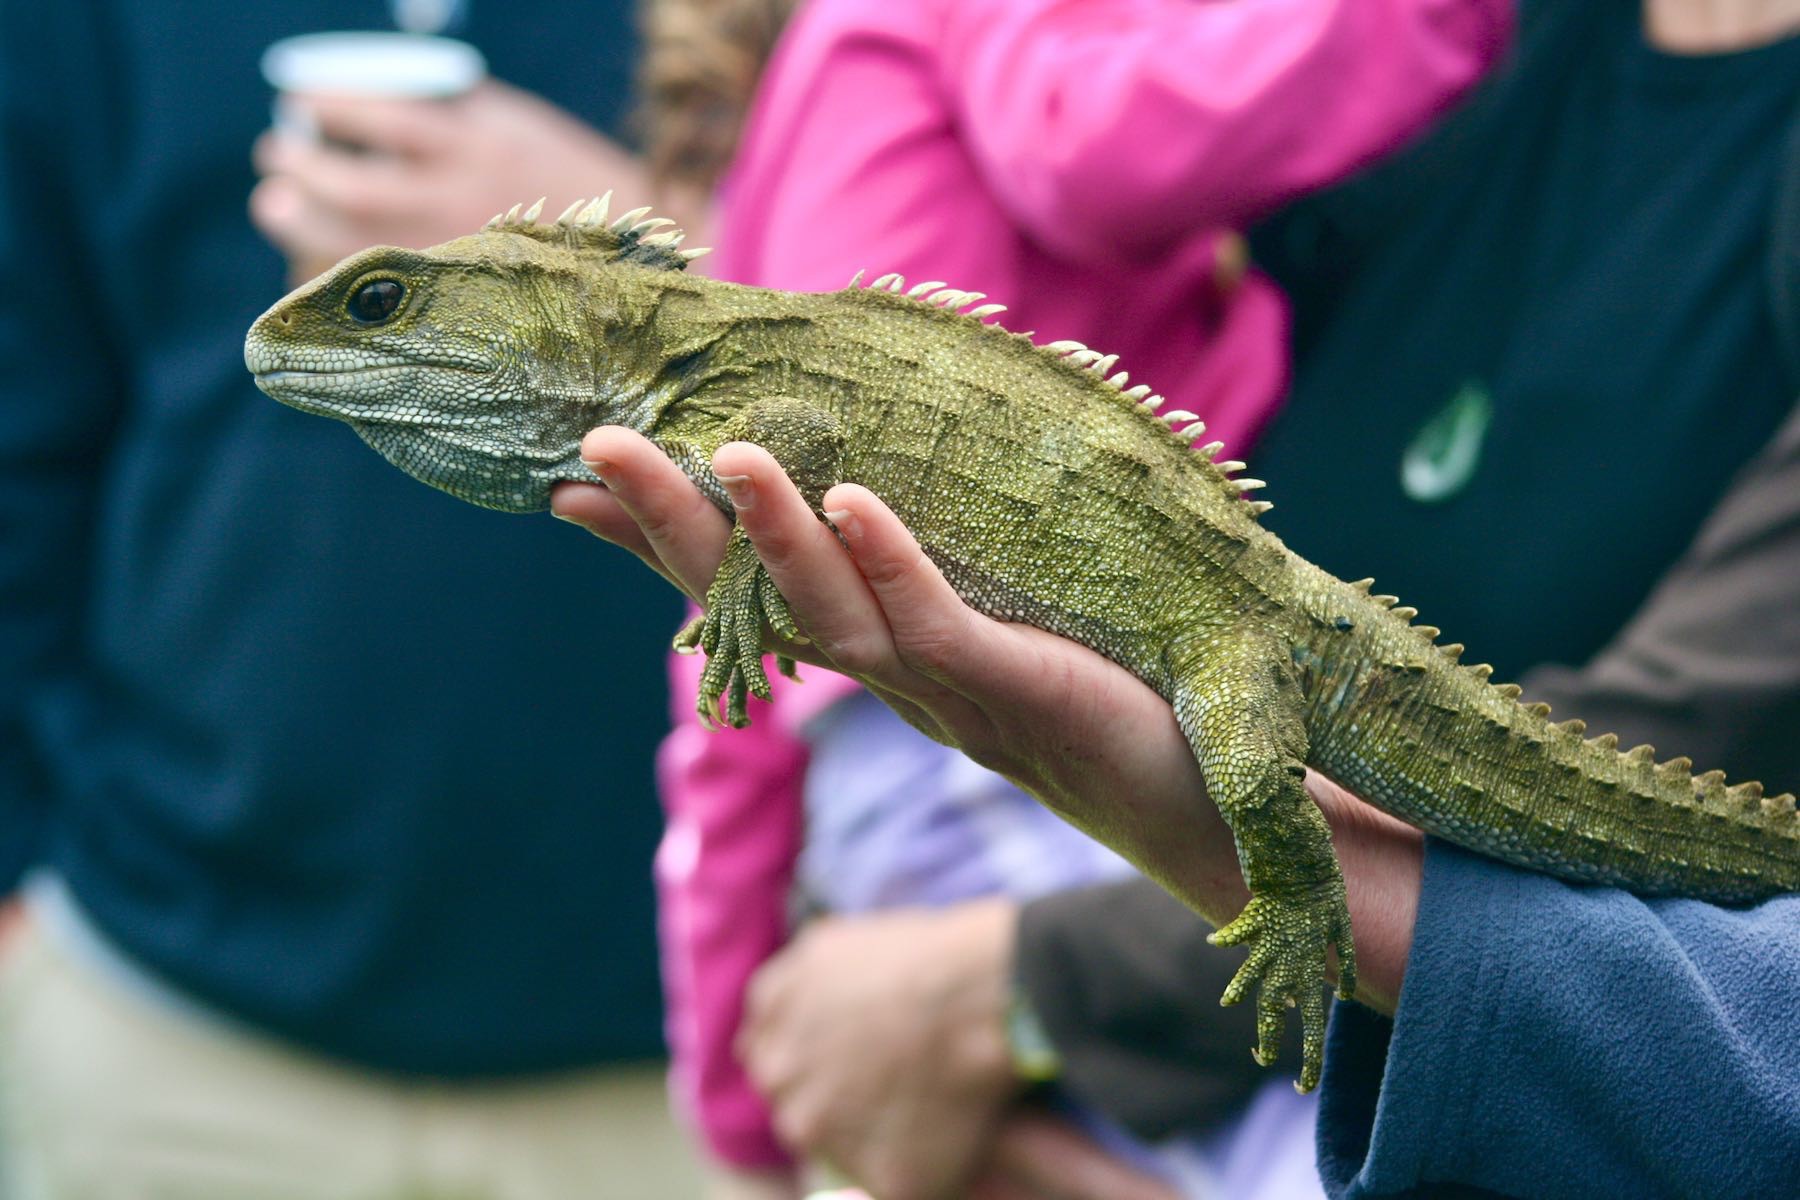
(106, 1096)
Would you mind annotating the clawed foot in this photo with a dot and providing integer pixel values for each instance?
(1288, 936)
(741, 602)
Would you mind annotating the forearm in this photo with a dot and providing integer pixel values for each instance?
(1100, 124)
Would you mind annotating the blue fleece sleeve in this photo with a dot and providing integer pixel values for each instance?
(1562, 1041)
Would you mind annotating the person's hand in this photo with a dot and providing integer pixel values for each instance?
(427, 170)
(1078, 731)
(880, 1044)
(1075, 729)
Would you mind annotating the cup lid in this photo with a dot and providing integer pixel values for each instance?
(373, 64)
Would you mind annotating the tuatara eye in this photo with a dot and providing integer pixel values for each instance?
(376, 301)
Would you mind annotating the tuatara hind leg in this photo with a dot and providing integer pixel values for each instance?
(1239, 704)
(742, 600)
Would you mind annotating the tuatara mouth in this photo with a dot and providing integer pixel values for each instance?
(290, 374)
(323, 393)
(344, 392)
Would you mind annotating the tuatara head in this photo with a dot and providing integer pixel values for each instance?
(475, 365)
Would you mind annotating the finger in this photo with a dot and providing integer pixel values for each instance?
(934, 632)
(593, 508)
(360, 188)
(1049, 1158)
(806, 561)
(403, 128)
(763, 999)
(266, 150)
(684, 529)
(826, 588)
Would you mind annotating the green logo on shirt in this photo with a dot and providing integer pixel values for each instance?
(1443, 455)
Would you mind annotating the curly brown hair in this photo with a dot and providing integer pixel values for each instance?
(700, 65)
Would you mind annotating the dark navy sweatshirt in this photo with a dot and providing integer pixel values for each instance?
(325, 750)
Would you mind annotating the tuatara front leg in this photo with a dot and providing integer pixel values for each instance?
(1238, 702)
(742, 601)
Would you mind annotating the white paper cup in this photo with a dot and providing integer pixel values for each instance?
(403, 66)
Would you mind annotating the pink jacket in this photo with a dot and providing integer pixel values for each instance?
(1087, 163)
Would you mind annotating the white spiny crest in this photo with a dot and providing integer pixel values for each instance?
(595, 214)
(1231, 466)
(952, 299)
(1071, 353)
(651, 242)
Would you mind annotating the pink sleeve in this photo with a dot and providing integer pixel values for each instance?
(733, 808)
(1104, 125)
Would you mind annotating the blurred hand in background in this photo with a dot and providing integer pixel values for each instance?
(417, 172)
(880, 1041)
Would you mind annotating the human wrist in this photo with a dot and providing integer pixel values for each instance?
(1383, 865)
(979, 996)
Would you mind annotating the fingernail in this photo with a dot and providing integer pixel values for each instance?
(601, 468)
(847, 523)
(739, 488)
(577, 522)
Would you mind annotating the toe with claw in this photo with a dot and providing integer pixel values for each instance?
(1288, 936)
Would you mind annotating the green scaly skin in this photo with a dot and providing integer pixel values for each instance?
(1048, 494)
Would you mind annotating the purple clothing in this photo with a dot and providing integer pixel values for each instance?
(893, 819)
